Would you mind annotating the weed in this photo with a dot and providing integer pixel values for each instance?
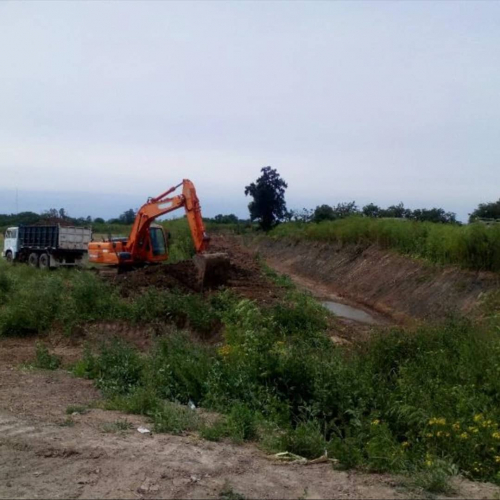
(67, 422)
(435, 476)
(70, 410)
(45, 360)
(227, 493)
(175, 419)
(116, 426)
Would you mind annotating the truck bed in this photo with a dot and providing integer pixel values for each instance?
(55, 237)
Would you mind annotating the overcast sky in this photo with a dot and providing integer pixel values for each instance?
(103, 104)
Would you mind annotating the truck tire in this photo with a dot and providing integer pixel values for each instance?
(44, 261)
(33, 259)
(8, 257)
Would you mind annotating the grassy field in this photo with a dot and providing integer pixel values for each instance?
(473, 246)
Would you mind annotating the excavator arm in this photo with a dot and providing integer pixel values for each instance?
(162, 205)
(146, 243)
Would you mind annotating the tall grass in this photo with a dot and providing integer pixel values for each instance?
(473, 246)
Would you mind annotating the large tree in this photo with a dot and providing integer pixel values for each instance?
(268, 206)
(486, 211)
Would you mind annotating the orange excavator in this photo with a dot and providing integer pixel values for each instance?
(147, 242)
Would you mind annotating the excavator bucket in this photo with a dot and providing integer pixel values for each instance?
(213, 269)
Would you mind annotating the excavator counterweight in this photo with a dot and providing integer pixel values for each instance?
(147, 242)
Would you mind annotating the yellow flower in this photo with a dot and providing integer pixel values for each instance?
(429, 435)
(456, 426)
(225, 350)
(497, 459)
(478, 417)
(405, 444)
(428, 463)
(447, 434)
(496, 435)
(376, 422)
(439, 434)
(464, 435)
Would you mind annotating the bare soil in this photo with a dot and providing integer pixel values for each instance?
(396, 286)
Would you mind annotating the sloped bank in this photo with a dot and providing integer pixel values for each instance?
(383, 280)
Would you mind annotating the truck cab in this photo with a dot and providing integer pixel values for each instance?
(11, 243)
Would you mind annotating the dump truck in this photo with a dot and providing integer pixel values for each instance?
(47, 246)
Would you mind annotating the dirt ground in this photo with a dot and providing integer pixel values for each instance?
(46, 453)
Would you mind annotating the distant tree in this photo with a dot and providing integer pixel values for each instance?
(397, 211)
(127, 217)
(343, 210)
(99, 220)
(268, 206)
(51, 213)
(371, 210)
(486, 211)
(226, 219)
(302, 215)
(323, 212)
(62, 214)
(434, 215)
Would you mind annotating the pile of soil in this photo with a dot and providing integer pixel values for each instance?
(243, 275)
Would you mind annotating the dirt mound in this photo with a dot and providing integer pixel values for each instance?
(182, 276)
(243, 275)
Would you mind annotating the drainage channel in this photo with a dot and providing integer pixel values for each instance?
(348, 312)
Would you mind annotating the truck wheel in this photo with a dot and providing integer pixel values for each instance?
(33, 259)
(44, 261)
(8, 257)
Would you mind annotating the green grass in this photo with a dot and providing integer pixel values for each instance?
(473, 246)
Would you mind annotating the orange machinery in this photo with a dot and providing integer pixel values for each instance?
(147, 242)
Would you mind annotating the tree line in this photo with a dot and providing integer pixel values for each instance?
(268, 207)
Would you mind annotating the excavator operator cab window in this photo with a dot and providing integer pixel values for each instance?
(157, 241)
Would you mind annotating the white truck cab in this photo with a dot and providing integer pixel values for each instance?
(11, 243)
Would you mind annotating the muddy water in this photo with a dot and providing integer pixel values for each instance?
(349, 312)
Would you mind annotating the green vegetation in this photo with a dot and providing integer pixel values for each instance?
(475, 246)
(44, 359)
(33, 303)
(410, 401)
(119, 425)
(406, 401)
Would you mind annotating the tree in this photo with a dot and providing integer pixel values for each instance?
(323, 212)
(268, 192)
(396, 211)
(486, 211)
(226, 219)
(99, 220)
(127, 217)
(434, 215)
(371, 210)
